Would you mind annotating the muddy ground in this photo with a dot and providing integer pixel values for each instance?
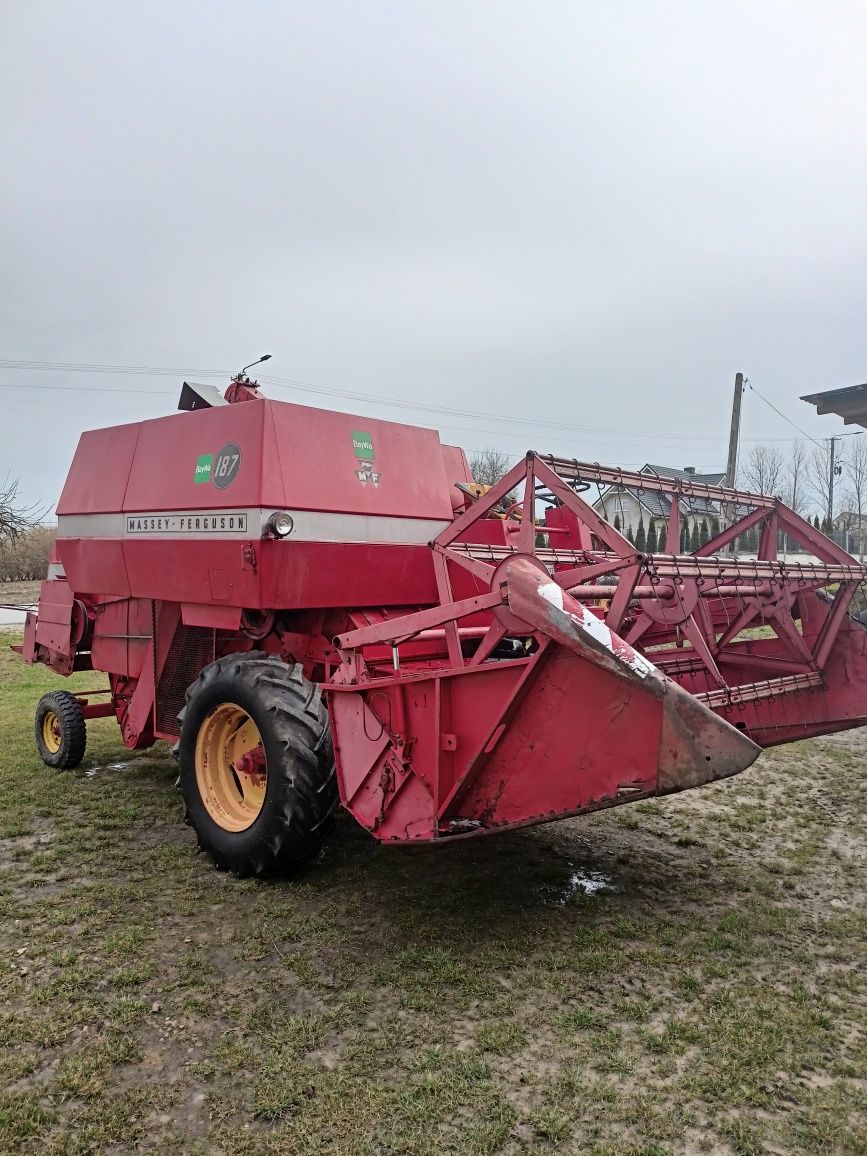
(678, 976)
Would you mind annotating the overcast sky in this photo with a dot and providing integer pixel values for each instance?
(588, 213)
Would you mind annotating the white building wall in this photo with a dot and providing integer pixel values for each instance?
(624, 505)
(631, 511)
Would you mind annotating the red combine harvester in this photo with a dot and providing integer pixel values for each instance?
(319, 609)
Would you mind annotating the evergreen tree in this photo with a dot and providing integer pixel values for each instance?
(816, 522)
(826, 525)
(630, 537)
(641, 535)
(684, 534)
(617, 522)
(704, 532)
(714, 526)
(694, 538)
(652, 540)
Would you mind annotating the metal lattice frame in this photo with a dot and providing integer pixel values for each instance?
(705, 598)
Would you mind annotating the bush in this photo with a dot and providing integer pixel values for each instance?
(25, 559)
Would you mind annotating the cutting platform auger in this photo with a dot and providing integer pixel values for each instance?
(318, 608)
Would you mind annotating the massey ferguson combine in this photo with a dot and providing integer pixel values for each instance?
(320, 609)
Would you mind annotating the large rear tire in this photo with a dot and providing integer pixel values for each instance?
(256, 765)
(61, 732)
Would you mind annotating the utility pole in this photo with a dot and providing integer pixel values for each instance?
(835, 469)
(735, 432)
(734, 438)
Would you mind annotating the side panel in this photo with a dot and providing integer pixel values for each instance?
(457, 470)
(220, 571)
(121, 636)
(340, 462)
(54, 624)
(579, 737)
(94, 565)
(176, 459)
(98, 476)
(96, 485)
(325, 574)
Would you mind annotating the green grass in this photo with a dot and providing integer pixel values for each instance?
(461, 1000)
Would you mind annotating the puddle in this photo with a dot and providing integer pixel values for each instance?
(123, 765)
(92, 771)
(579, 882)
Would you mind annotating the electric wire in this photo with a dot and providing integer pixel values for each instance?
(323, 391)
(597, 433)
(618, 434)
(780, 413)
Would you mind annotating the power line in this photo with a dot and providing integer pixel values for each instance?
(102, 367)
(660, 440)
(597, 433)
(782, 415)
(87, 389)
(618, 438)
(323, 391)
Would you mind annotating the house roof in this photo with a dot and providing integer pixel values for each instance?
(659, 505)
(850, 518)
(850, 403)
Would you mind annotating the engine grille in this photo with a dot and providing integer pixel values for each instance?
(192, 648)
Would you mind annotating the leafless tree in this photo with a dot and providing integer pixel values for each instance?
(764, 470)
(796, 482)
(855, 493)
(489, 465)
(15, 517)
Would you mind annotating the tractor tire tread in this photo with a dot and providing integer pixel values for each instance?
(299, 809)
(73, 728)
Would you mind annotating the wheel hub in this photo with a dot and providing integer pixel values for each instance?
(52, 734)
(231, 769)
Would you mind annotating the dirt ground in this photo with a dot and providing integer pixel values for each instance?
(677, 976)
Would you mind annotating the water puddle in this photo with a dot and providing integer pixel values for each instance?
(93, 771)
(579, 882)
(123, 765)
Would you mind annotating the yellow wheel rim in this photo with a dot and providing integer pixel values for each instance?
(231, 771)
(52, 735)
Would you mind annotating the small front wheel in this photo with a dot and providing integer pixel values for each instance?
(61, 732)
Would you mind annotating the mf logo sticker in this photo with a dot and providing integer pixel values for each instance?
(362, 444)
(221, 468)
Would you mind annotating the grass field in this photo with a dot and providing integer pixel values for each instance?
(685, 976)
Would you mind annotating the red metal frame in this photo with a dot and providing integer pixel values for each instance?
(688, 612)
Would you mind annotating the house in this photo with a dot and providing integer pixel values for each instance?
(630, 507)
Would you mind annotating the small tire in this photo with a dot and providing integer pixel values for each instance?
(256, 765)
(61, 730)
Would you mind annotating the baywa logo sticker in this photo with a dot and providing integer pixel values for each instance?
(221, 468)
(362, 444)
